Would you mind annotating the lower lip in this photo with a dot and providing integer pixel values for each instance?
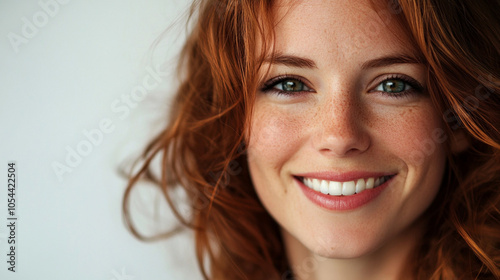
(342, 203)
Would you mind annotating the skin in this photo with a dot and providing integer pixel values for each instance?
(343, 122)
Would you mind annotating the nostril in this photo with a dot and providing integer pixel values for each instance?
(341, 140)
(342, 149)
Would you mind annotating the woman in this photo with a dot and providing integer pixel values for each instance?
(338, 139)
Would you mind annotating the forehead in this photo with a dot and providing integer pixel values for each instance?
(339, 29)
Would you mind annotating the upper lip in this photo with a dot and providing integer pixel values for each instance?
(343, 176)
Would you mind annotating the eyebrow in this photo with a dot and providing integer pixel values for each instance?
(390, 60)
(291, 61)
(302, 62)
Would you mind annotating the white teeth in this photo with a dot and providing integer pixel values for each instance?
(369, 183)
(307, 182)
(324, 186)
(348, 188)
(335, 188)
(344, 188)
(316, 184)
(360, 185)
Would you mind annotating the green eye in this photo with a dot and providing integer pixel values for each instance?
(291, 85)
(393, 86)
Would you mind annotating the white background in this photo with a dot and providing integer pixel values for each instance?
(63, 79)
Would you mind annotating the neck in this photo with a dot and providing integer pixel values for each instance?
(386, 263)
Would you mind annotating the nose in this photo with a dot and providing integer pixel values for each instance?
(340, 126)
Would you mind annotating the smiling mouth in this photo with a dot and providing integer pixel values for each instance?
(344, 188)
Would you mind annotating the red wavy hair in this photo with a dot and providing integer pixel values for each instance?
(202, 149)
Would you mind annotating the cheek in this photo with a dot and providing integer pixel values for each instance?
(414, 134)
(274, 138)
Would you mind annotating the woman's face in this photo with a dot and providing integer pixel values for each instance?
(346, 147)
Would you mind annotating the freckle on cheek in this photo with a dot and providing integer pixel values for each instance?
(275, 135)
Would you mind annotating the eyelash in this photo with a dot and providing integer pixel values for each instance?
(416, 87)
(268, 86)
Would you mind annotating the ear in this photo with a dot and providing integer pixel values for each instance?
(459, 141)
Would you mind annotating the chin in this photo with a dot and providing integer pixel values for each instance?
(327, 245)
